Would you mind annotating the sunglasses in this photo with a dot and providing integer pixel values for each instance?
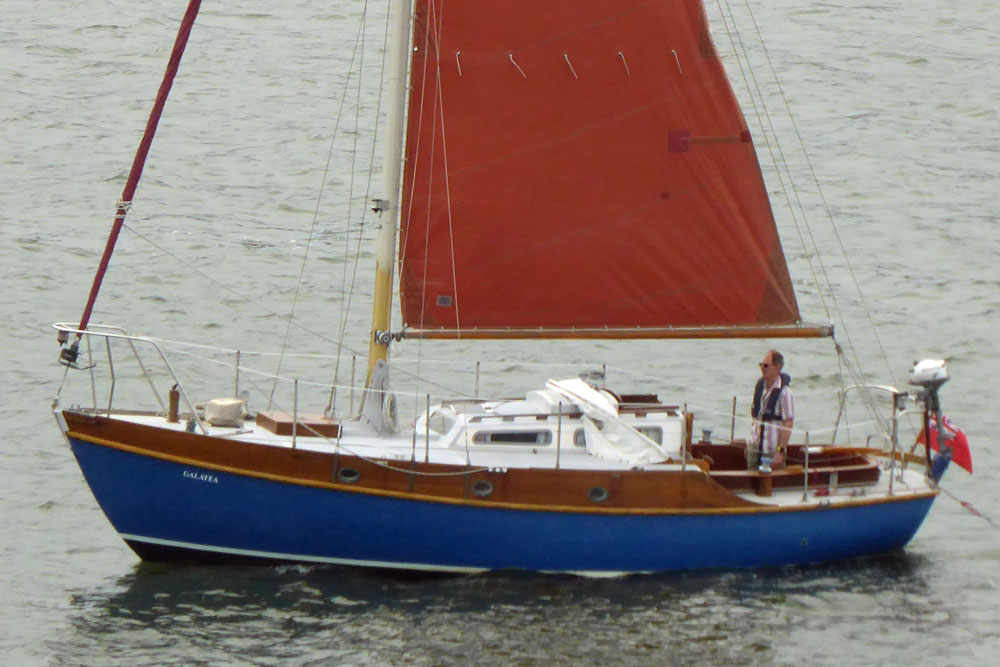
(764, 365)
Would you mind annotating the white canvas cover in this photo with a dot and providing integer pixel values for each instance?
(225, 411)
(608, 437)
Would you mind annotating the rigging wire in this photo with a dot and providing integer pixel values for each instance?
(781, 168)
(229, 288)
(359, 39)
(780, 163)
(436, 19)
(347, 299)
(761, 112)
(345, 294)
(447, 186)
(825, 204)
(415, 153)
(433, 23)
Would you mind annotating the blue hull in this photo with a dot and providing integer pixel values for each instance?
(162, 507)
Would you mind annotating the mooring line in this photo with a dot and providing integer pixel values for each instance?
(972, 510)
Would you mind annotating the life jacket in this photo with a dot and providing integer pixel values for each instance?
(771, 409)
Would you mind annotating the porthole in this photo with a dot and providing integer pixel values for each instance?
(348, 475)
(598, 494)
(483, 488)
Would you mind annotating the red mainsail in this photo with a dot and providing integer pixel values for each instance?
(578, 165)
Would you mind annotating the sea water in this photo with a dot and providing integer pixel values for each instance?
(895, 104)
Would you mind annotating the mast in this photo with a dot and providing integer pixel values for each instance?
(400, 12)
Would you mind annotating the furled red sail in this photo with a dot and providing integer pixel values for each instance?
(581, 165)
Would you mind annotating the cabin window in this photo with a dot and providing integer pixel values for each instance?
(512, 438)
(579, 438)
(654, 433)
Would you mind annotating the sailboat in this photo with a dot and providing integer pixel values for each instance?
(594, 163)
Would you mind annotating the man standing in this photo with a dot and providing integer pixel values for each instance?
(773, 413)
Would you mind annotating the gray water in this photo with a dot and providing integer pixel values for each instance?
(896, 105)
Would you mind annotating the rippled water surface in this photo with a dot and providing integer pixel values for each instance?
(896, 105)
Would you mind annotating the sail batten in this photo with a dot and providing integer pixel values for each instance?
(589, 173)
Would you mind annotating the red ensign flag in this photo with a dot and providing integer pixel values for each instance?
(960, 453)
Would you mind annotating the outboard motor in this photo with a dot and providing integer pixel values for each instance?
(929, 373)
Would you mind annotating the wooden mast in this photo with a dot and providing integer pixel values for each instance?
(398, 57)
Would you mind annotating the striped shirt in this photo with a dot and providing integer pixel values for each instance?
(785, 408)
